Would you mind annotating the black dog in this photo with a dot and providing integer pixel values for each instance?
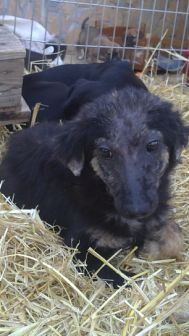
(68, 74)
(85, 81)
(51, 95)
(102, 177)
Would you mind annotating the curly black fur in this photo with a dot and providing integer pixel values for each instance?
(102, 177)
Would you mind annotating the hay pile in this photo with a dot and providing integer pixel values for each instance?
(42, 292)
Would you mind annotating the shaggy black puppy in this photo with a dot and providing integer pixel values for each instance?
(64, 89)
(102, 177)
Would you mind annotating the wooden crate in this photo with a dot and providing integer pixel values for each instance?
(18, 115)
(13, 108)
(12, 55)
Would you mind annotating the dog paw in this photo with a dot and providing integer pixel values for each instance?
(166, 243)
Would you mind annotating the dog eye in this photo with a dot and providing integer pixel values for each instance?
(152, 146)
(105, 152)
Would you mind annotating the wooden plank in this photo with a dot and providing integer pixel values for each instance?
(19, 115)
(11, 102)
(10, 45)
(11, 71)
(11, 77)
(12, 55)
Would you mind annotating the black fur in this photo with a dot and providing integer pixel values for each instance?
(51, 96)
(115, 70)
(85, 91)
(102, 177)
(85, 81)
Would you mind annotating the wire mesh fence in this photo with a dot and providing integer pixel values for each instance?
(98, 30)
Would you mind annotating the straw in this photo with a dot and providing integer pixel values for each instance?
(44, 289)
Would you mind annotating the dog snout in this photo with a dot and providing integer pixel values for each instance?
(137, 212)
(136, 209)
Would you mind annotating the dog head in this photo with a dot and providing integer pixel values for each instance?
(131, 140)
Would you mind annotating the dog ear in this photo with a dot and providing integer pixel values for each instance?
(74, 142)
(169, 123)
(69, 147)
(76, 166)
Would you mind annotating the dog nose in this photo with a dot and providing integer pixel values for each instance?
(138, 212)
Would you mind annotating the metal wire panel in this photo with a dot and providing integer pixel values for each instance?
(128, 29)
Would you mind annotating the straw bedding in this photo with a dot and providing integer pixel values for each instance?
(44, 292)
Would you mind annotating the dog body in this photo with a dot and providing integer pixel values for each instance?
(105, 49)
(69, 73)
(64, 89)
(103, 176)
(51, 96)
(90, 37)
